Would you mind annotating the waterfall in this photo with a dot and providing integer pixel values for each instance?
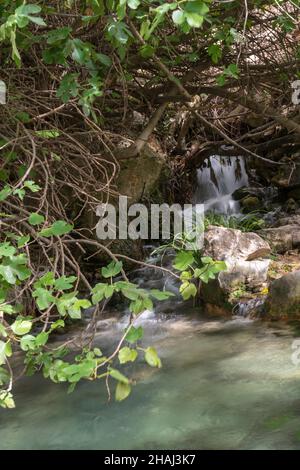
(217, 179)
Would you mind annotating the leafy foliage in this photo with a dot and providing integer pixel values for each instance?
(57, 299)
(99, 58)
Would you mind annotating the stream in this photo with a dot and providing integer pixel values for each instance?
(224, 384)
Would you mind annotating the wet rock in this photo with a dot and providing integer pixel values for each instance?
(288, 220)
(282, 238)
(245, 191)
(250, 203)
(291, 206)
(284, 297)
(244, 255)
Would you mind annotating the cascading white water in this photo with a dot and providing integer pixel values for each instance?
(217, 180)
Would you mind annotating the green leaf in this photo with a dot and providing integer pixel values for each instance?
(123, 390)
(221, 80)
(98, 292)
(75, 309)
(81, 52)
(42, 338)
(3, 332)
(138, 306)
(161, 295)
(5, 351)
(37, 20)
(196, 6)
(57, 324)
(44, 298)
(101, 291)
(144, 30)
(59, 228)
(23, 117)
(134, 334)
(4, 376)
(178, 17)
(97, 352)
(22, 241)
(69, 304)
(48, 134)
(65, 283)
(206, 260)
(127, 355)
(6, 249)
(7, 308)
(36, 219)
(13, 268)
(186, 276)
(28, 9)
(147, 51)
(45, 280)
(129, 290)
(188, 290)
(15, 52)
(20, 193)
(115, 374)
(151, 357)
(215, 52)
(5, 192)
(104, 59)
(68, 87)
(183, 260)
(133, 4)
(194, 19)
(28, 343)
(6, 400)
(112, 269)
(232, 70)
(21, 327)
(34, 188)
(57, 35)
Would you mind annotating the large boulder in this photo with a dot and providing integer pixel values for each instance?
(245, 255)
(142, 176)
(227, 244)
(284, 297)
(283, 238)
(287, 220)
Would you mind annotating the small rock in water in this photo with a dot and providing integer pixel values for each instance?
(284, 297)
